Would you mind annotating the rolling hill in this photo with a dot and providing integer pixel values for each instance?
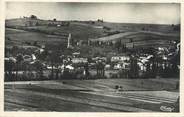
(27, 29)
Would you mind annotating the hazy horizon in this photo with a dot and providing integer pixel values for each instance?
(147, 13)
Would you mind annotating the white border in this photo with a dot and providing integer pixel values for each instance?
(88, 114)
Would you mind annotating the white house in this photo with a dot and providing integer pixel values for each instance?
(119, 58)
(122, 66)
(79, 60)
(27, 58)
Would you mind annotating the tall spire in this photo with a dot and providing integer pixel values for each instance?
(69, 39)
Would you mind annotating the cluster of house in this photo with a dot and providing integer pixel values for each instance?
(26, 58)
(118, 62)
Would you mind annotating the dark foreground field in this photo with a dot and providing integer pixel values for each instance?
(137, 95)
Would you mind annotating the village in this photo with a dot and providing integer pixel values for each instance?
(90, 57)
(127, 58)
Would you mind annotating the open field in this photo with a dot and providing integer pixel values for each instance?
(142, 38)
(17, 36)
(139, 38)
(137, 27)
(89, 95)
(82, 30)
(89, 25)
(142, 35)
(79, 32)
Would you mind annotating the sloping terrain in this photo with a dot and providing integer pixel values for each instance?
(89, 95)
(141, 34)
(18, 37)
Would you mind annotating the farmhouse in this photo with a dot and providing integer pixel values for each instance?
(76, 54)
(27, 58)
(129, 45)
(79, 60)
(120, 58)
(99, 58)
(122, 66)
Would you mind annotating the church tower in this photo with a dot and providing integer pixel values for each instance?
(69, 40)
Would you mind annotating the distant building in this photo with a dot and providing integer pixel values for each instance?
(120, 58)
(99, 58)
(79, 60)
(27, 58)
(43, 46)
(129, 45)
(122, 66)
(76, 54)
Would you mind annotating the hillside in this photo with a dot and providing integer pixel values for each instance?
(48, 31)
(21, 37)
(78, 31)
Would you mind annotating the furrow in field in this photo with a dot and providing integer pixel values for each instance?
(89, 102)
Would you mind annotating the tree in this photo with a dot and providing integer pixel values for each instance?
(118, 45)
(37, 24)
(33, 17)
(9, 66)
(55, 59)
(100, 20)
(54, 19)
(50, 59)
(39, 68)
(58, 60)
(35, 43)
(134, 68)
(175, 61)
(19, 59)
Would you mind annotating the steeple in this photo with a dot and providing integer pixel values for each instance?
(69, 39)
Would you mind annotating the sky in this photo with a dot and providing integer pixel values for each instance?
(154, 13)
